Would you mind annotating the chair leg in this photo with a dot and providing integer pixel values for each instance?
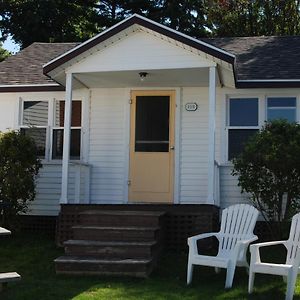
(189, 273)
(251, 281)
(229, 276)
(291, 282)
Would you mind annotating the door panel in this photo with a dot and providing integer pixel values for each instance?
(151, 142)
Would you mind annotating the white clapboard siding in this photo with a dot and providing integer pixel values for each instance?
(194, 147)
(48, 190)
(140, 51)
(229, 190)
(107, 144)
(8, 103)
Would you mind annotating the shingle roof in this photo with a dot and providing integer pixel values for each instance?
(26, 66)
(257, 58)
(263, 58)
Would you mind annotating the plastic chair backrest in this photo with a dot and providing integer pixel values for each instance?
(294, 239)
(238, 222)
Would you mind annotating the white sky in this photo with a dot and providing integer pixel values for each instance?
(10, 45)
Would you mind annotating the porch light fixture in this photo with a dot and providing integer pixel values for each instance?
(143, 75)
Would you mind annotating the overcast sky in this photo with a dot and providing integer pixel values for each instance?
(11, 46)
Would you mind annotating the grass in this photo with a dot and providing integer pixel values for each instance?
(32, 256)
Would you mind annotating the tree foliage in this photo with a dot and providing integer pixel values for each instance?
(254, 17)
(269, 170)
(29, 21)
(63, 21)
(3, 53)
(18, 167)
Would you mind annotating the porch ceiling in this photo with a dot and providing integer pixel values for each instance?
(192, 77)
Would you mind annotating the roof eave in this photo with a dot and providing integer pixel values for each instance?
(272, 83)
(31, 88)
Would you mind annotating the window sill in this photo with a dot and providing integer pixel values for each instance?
(59, 162)
(226, 164)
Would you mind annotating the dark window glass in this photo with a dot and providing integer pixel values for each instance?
(282, 102)
(59, 112)
(35, 113)
(282, 108)
(285, 114)
(58, 141)
(243, 112)
(237, 139)
(152, 124)
(39, 136)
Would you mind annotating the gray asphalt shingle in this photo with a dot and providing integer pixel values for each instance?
(259, 58)
(263, 58)
(26, 66)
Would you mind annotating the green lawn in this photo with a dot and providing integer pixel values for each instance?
(32, 256)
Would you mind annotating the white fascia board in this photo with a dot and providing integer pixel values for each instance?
(270, 80)
(184, 35)
(147, 20)
(87, 41)
(28, 85)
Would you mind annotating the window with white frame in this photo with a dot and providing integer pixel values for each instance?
(281, 108)
(34, 122)
(242, 123)
(47, 131)
(58, 131)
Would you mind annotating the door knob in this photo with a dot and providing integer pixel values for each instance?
(172, 148)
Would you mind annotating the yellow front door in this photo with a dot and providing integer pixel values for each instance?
(152, 147)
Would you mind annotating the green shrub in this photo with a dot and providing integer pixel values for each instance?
(269, 170)
(19, 166)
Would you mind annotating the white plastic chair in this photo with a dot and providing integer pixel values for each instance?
(289, 270)
(235, 235)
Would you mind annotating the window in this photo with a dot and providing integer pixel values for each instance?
(281, 108)
(58, 131)
(36, 122)
(242, 123)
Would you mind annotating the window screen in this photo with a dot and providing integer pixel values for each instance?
(58, 141)
(35, 113)
(237, 138)
(243, 116)
(39, 137)
(152, 124)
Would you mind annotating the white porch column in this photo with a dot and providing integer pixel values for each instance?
(211, 136)
(67, 138)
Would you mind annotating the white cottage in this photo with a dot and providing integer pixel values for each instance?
(142, 117)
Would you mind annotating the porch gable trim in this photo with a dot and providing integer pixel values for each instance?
(139, 20)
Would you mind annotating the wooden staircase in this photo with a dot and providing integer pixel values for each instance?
(118, 243)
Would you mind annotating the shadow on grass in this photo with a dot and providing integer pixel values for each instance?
(32, 256)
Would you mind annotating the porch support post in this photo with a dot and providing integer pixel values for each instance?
(211, 136)
(67, 138)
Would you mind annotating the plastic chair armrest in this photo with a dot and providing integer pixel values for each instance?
(254, 249)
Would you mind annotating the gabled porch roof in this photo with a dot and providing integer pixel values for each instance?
(136, 19)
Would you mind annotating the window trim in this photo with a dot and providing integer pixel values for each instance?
(227, 120)
(51, 126)
(281, 96)
(262, 114)
(47, 127)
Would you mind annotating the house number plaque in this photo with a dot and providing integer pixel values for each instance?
(191, 106)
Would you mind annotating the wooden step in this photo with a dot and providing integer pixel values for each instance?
(121, 218)
(100, 233)
(80, 265)
(111, 250)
